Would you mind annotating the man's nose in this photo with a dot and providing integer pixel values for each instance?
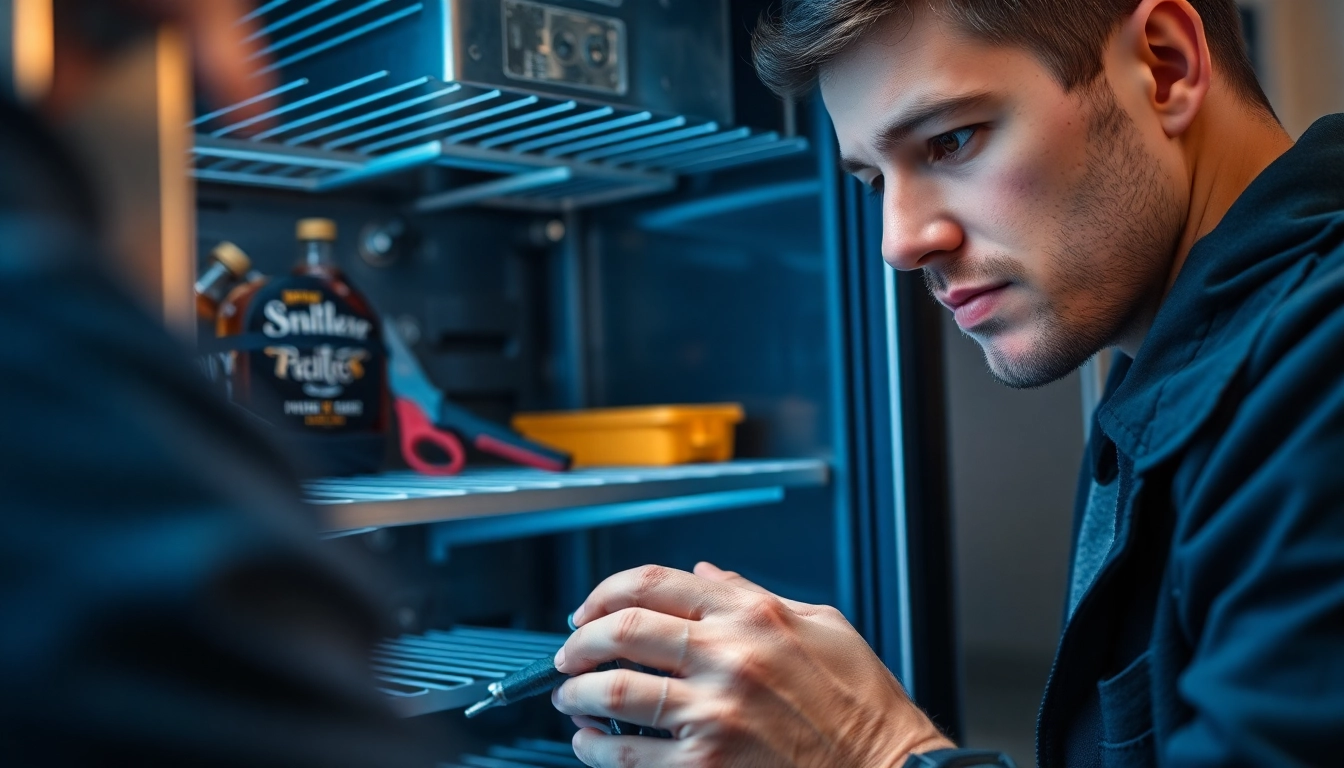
(915, 227)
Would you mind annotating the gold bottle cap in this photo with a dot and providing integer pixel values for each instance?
(233, 258)
(317, 229)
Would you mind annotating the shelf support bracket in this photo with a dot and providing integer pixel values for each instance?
(511, 185)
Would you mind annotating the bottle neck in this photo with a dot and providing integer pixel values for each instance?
(316, 253)
(214, 282)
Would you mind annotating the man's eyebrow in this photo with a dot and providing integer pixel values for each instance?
(924, 111)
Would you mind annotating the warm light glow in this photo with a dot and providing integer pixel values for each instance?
(34, 48)
(178, 191)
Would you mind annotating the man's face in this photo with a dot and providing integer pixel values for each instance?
(1040, 218)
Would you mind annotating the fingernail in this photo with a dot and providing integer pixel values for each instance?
(577, 617)
(559, 658)
(573, 627)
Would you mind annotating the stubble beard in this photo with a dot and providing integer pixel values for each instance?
(1119, 230)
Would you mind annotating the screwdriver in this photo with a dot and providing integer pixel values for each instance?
(540, 677)
(536, 678)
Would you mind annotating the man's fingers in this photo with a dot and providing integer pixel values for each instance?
(624, 694)
(665, 590)
(635, 634)
(714, 573)
(597, 749)
(584, 721)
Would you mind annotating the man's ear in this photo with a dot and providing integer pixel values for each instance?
(1172, 61)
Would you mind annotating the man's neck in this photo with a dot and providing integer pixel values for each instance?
(1226, 148)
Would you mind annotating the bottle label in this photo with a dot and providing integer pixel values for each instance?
(317, 364)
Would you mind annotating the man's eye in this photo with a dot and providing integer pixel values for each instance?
(947, 145)
(873, 188)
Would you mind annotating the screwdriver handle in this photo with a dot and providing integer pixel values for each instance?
(536, 678)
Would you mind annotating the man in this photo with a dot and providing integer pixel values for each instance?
(1069, 176)
(163, 601)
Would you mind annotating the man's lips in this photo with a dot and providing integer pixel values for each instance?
(972, 306)
(954, 300)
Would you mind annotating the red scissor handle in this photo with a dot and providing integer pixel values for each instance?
(416, 431)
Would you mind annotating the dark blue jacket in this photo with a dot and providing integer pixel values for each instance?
(1214, 633)
(163, 598)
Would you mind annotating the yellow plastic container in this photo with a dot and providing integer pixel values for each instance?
(657, 435)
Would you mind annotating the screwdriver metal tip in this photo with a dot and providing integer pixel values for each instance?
(482, 705)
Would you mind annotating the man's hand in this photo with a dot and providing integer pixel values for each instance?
(757, 680)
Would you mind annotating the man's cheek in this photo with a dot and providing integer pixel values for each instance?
(1008, 211)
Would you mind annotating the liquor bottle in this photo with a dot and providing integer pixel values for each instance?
(229, 266)
(307, 359)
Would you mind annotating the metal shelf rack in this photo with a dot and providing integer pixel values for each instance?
(451, 669)
(546, 154)
(491, 504)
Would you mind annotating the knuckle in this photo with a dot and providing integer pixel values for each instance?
(832, 614)
(766, 612)
(617, 693)
(628, 623)
(648, 578)
(744, 668)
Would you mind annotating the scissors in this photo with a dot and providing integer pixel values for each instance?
(428, 419)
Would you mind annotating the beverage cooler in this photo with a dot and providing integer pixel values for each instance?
(593, 203)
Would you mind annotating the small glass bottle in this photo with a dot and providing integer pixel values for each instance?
(317, 249)
(229, 266)
(309, 359)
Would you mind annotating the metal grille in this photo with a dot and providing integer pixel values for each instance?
(406, 498)
(524, 753)
(450, 669)
(547, 153)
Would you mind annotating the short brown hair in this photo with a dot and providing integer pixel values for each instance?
(1066, 35)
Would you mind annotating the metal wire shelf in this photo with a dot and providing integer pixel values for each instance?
(451, 669)
(497, 503)
(547, 153)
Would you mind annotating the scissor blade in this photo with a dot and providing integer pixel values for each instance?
(407, 378)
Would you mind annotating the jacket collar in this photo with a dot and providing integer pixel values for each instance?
(1222, 297)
